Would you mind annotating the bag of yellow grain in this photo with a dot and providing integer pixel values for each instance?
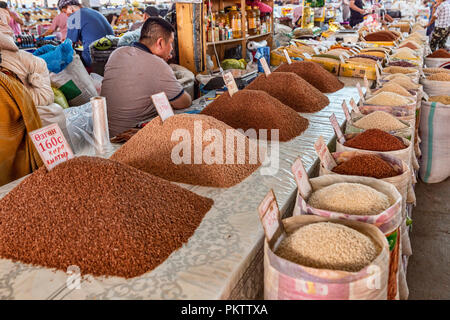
(316, 258)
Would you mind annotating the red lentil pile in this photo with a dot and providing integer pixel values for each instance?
(151, 150)
(315, 74)
(252, 109)
(380, 36)
(366, 165)
(441, 53)
(375, 140)
(291, 90)
(100, 215)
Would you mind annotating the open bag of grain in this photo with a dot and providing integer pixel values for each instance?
(413, 73)
(436, 84)
(435, 136)
(316, 258)
(437, 59)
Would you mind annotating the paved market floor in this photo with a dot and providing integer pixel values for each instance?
(429, 267)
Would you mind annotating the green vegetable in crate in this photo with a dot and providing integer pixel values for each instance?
(232, 64)
(103, 44)
(60, 98)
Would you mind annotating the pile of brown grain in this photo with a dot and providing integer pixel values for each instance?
(366, 165)
(381, 36)
(441, 99)
(252, 109)
(403, 70)
(441, 53)
(315, 74)
(102, 216)
(151, 149)
(395, 88)
(439, 76)
(291, 90)
(326, 245)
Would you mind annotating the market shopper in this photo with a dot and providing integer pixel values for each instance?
(85, 25)
(357, 12)
(441, 19)
(15, 22)
(150, 11)
(135, 31)
(134, 73)
(59, 24)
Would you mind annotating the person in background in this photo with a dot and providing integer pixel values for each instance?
(441, 18)
(84, 25)
(141, 71)
(112, 19)
(15, 22)
(345, 10)
(432, 6)
(27, 22)
(150, 11)
(59, 24)
(357, 12)
(132, 36)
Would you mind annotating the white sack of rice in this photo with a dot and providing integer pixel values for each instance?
(380, 120)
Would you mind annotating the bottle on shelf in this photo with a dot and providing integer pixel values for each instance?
(251, 21)
(222, 23)
(234, 17)
(258, 19)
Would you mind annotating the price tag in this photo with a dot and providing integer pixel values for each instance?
(354, 106)
(358, 47)
(337, 129)
(425, 95)
(286, 54)
(265, 66)
(379, 65)
(162, 105)
(301, 177)
(377, 75)
(51, 145)
(346, 112)
(316, 50)
(307, 56)
(345, 54)
(270, 216)
(342, 59)
(361, 94)
(230, 83)
(354, 51)
(366, 84)
(324, 154)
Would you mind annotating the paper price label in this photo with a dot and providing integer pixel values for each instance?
(354, 51)
(379, 65)
(307, 56)
(425, 95)
(366, 84)
(342, 59)
(162, 105)
(316, 50)
(230, 83)
(377, 71)
(51, 145)
(265, 66)
(354, 106)
(345, 54)
(301, 177)
(270, 216)
(337, 129)
(286, 54)
(324, 154)
(361, 94)
(346, 112)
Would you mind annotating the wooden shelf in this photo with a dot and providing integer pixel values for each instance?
(239, 39)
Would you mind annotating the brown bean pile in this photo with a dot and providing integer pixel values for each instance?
(380, 36)
(150, 150)
(375, 140)
(441, 53)
(315, 74)
(102, 216)
(291, 90)
(252, 109)
(366, 165)
(443, 76)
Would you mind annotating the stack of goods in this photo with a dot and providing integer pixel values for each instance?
(105, 217)
(291, 90)
(154, 150)
(252, 109)
(314, 74)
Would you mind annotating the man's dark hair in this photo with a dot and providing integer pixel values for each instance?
(155, 28)
(3, 5)
(27, 14)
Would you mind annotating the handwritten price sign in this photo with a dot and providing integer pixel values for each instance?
(230, 83)
(269, 215)
(162, 105)
(301, 177)
(51, 145)
(265, 66)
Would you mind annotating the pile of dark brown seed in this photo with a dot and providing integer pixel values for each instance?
(100, 215)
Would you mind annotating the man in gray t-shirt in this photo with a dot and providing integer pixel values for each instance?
(133, 74)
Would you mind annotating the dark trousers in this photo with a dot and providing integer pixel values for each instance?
(439, 38)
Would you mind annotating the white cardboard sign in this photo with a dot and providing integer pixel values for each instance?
(270, 216)
(286, 54)
(306, 55)
(354, 106)
(346, 112)
(337, 129)
(361, 94)
(51, 145)
(230, 83)
(301, 177)
(265, 66)
(324, 154)
(162, 105)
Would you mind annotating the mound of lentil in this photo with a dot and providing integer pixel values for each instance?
(388, 99)
(375, 140)
(367, 165)
(408, 84)
(380, 120)
(436, 70)
(150, 150)
(380, 36)
(405, 64)
(441, 53)
(399, 70)
(291, 90)
(439, 76)
(327, 245)
(349, 198)
(314, 74)
(441, 99)
(395, 88)
(252, 109)
(100, 215)
(411, 45)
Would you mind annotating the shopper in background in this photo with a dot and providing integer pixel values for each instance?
(357, 12)
(441, 18)
(27, 22)
(112, 19)
(141, 71)
(134, 34)
(84, 25)
(345, 10)
(150, 11)
(59, 24)
(15, 22)
(432, 5)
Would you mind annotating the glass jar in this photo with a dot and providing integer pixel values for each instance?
(234, 17)
(251, 21)
(258, 19)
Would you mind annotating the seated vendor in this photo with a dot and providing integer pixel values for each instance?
(134, 73)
